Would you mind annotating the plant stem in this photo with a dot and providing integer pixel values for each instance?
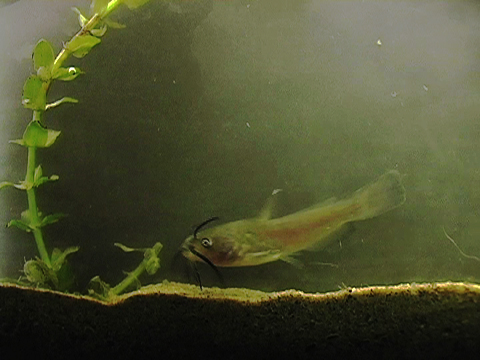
(109, 8)
(32, 206)
(131, 277)
(90, 25)
(37, 116)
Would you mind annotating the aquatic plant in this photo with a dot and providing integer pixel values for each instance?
(43, 271)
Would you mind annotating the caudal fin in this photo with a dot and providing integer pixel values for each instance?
(383, 195)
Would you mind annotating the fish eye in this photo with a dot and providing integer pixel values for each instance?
(206, 242)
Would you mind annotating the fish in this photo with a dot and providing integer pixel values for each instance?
(263, 239)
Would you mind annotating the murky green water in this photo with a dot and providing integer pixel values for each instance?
(201, 109)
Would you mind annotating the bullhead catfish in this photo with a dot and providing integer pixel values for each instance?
(263, 239)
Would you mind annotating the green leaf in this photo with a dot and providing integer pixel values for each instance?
(45, 179)
(36, 135)
(39, 179)
(17, 141)
(19, 224)
(43, 55)
(125, 248)
(39, 273)
(82, 20)
(34, 94)
(61, 101)
(23, 185)
(50, 219)
(152, 265)
(99, 289)
(59, 256)
(97, 6)
(67, 74)
(44, 73)
(81, 45)
(5, 184)
(27, 218)
(132, 4)
(152, 262)
(157, 247)
(114, 24)
(38, 173)
(99, 32)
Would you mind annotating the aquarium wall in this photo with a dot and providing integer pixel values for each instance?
(203, 108)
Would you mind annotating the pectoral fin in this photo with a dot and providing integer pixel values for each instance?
(292, 261)
(262, 257)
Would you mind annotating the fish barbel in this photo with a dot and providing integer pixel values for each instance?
(261, 240)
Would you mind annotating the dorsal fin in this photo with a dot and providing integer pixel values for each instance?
(269, 207)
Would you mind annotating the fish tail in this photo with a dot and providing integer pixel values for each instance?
(383, 195)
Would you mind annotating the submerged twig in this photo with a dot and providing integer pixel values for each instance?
(458, 248)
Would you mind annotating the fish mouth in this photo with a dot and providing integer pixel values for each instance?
(189, 252)
(192, 253)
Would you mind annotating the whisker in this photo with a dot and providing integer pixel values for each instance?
(197, 275)
(205, 259)
(203, 224)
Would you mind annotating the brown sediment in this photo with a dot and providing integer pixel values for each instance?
(179, 320)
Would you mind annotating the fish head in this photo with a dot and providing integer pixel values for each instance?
(219, 245)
